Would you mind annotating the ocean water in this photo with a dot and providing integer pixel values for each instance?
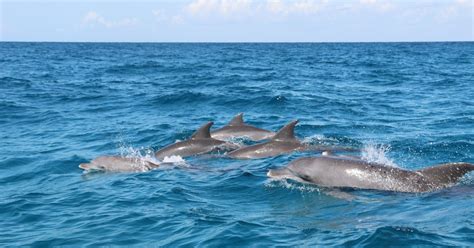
(61, 104)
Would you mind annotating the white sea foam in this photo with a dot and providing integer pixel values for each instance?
(283, 183)
(146, 154)
(238, 141)
(177, 160)
(143, 155)
(318, 139)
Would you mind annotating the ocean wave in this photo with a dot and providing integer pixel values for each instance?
(63, 104)
(134, 67)
(181, 97)
(399, 236)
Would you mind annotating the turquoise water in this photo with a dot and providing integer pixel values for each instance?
(62, 104)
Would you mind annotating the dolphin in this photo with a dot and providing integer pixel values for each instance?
(199, 143)
(330, 171)
(238, 128)
(283, 142)
(118, 164)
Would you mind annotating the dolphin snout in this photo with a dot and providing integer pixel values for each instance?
(85, 166)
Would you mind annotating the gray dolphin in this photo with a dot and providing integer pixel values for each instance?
(329, 171)
(118, 164)
(199, 143)
(283, 142)
(238, 128)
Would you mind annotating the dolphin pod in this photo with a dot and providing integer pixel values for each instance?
(330, 171)
(327, 170)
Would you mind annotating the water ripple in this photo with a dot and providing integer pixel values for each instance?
(62, 104)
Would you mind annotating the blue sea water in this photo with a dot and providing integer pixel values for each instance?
(62, 104)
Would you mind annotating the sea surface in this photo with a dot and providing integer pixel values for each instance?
(409, 105)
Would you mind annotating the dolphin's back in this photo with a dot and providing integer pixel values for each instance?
(342, 172)
(267, 149)
(237, 128)
(189, 148)
(244, 130)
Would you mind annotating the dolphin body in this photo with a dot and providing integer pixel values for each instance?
(283, 142)
(238, 128)
(199, 143)
(329, 171)
(118, 164)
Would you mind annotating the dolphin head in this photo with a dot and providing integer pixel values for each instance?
(302, 170)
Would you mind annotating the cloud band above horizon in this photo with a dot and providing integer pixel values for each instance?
(237, 20)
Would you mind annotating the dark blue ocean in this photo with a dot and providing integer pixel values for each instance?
(62, 104)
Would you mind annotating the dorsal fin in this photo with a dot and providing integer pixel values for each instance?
(237, 120)
(287, 132)
(447, 173)
(203, 132)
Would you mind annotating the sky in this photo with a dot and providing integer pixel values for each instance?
(237, 20)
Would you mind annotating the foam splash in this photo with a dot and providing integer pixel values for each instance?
(143, 155)
(468, 179)
(238, 141)
(177, 160)
(283, 183)
(317, 139)
(377, 153)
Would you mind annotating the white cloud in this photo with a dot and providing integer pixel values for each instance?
(368, 1)
(159, 15)
(223, 7)
(380, 5)
(277, 7)
(467, 2)
(296, 7)
(177, 19)
(308, 6)
(454, 9)
(157, 12)
(92, 19)
(236, 8)
(163, 17)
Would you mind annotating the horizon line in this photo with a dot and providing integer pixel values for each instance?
(237, 42)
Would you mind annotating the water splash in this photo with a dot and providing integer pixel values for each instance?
(143, 155)
(283, 183)
(177, 160)
(377, 153)
(238, 141)
(318, 139)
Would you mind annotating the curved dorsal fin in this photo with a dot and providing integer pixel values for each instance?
(237, 120)
(203, 132)
(287, 132)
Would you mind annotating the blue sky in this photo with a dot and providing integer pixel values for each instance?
(237, 20)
